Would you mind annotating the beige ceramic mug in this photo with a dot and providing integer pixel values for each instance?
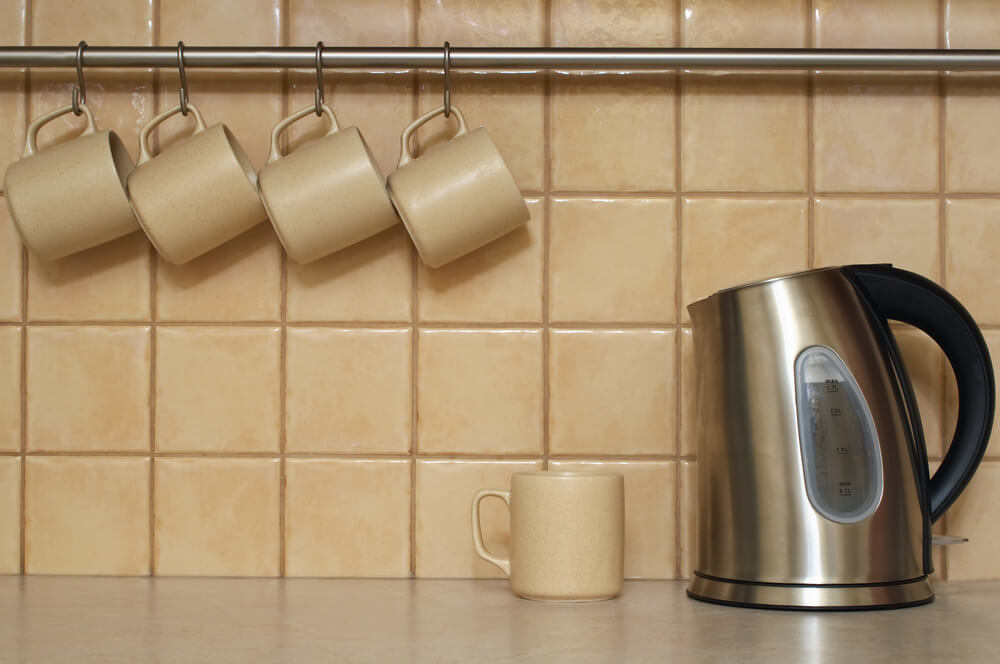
(328, 194)
(457, 197)
(567, 534)
(198, 193)
(71, 196)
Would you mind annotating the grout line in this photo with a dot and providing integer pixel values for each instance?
(283, 351)
(811, 142)
(942, 248)
(23, 430)
(546, 245)
(153, 314)
(678, 296)
(414, 318)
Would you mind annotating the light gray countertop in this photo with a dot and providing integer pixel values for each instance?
(75, 619)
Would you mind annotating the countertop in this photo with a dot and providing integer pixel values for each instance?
(75, 619)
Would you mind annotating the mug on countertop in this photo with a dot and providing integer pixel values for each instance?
(567, 535)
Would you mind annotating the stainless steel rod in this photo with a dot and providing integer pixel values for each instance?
(504, 58)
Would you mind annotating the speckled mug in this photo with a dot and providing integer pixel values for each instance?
(567, 535)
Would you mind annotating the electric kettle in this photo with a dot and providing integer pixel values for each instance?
(814, 490)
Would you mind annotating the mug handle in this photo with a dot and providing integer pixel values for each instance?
(295, 117)
(405, 156)
(31, 144)
(145, 152)
(477, 531)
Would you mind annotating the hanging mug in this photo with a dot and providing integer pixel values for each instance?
(328, 194)
(197, 194)
(458, 196)
(70, 196)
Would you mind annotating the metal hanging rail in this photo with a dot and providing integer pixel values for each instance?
(504, 58)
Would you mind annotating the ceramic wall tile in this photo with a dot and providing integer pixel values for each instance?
(500, 282)
(218, 389)
(744, 23)
(613, 260)
(10, 515)
(86, 515)
(88, 389)
(479, 392)
(688, 527)
(612, 392)
(972, 102)
(970, 24)
(216, 517)
(444, 493)
(11, 266)
(510, 105)
(876, 24)
(10, 389)
(950, 417)
(121, 99)
(688, 444)
(925, 365)
(348, 391)
(901, 232)
(238, 281)
(974, 515)
(612, 132)
(108, 282)
(633, 23)
(972, 230)
(369, 281)
(13, 32)
(347, 517)
(744, 132)
(650, 513)
(344, 22)
(753, 238)
(876, 132)
(480, 23)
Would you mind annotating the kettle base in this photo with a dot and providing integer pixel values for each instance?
(811, 597)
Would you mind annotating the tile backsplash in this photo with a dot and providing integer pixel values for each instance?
(245, 415)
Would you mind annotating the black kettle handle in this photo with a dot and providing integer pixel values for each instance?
(910, 298)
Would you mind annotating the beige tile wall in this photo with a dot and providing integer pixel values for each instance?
(245, 415)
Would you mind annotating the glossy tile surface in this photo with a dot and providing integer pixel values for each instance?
(688, 444)
(634, 23)
(612, 132)
(11, 262)
(510, 105)
(10, 389)
(972, 230)
(612, 260)
(10, 515)
(973, 516)
(348, 391)
(500, 282)
(650, 514)
(688, 526)
(369, 281)
(876, 132)
(479, 391)
(109, 282)
(744, 132)
(876, 24)
(925, 366)
(88, 389)
(752, 238)
(743, 24)
(480, 23)
(971, 101)
(218, 389)
(375, 23)
(967, 24)
(216, 517)
(87, 515)
(240, 280)
(444, 493)
(13, 31)
(347, 517)
(901, 232)
(612, 392)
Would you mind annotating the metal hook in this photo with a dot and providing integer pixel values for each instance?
(447, 80)
(319, 78)
(184, 83)
(80, 91)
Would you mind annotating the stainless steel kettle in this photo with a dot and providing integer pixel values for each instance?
(814, 489)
